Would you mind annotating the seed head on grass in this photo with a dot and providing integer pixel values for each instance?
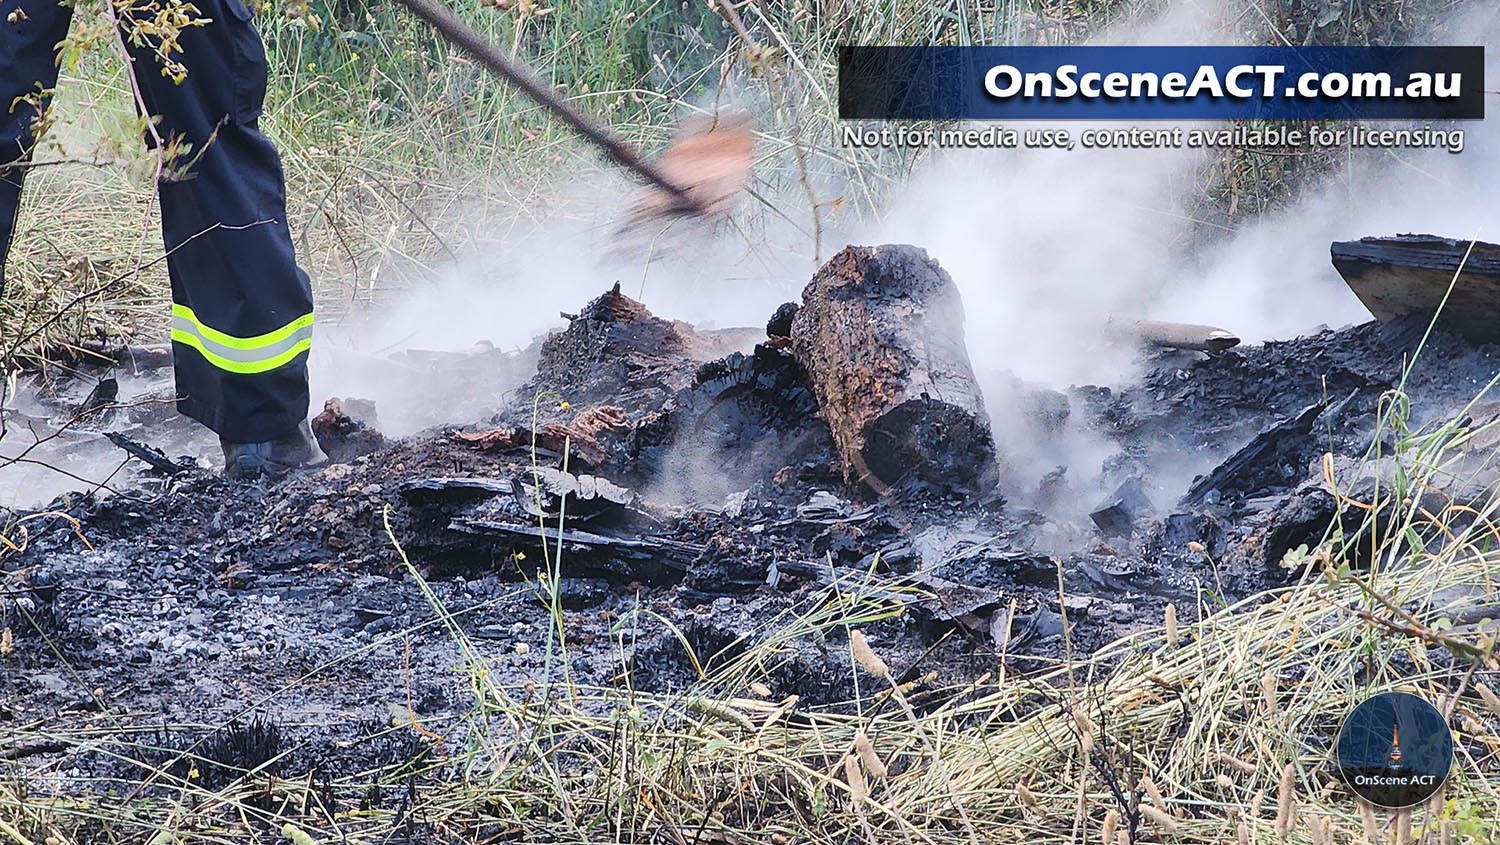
(1163, 821)
(1154, 794)
(866, 751)
(859, 793)
(865, 656)
(1472, 725)
(721, 711)
(1268, 692)
(1085, 728)
(1286, 803)
(1435, 802)
(856, 779)
(1107, 830)
(1237, 764)
(1171, 624)
(1491, 700)
(1403, 827)
(1368, 822)
(1315, 831)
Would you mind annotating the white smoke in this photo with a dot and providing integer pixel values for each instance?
(513, 290)
(1043, 244)
(1046, 244)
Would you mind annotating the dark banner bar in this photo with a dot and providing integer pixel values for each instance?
(1149, 83)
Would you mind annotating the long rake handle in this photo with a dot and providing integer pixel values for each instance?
(461, 36)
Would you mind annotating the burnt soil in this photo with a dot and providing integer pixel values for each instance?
(278, 616)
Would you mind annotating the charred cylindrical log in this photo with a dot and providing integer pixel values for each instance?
(881, 336)
(1156, 334)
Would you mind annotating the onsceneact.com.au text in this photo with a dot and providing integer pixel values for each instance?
(1239, 81)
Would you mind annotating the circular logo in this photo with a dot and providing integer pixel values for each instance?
(1394, 750)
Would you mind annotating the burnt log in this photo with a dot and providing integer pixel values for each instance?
(438, 491)
(1116, 516)
(543, 491)
(1420, 274)
(345, 429)
(746, 417)
(1155, 334)
(150, 455)
(880, 334)
(621, 560)
(615, 351)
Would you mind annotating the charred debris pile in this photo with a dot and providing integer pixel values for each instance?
(718, 477)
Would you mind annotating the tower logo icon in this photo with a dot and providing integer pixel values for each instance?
(1394, 750)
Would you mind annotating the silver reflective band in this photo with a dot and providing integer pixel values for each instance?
(242, 355)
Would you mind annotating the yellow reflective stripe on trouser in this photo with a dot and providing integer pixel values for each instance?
(244, 355)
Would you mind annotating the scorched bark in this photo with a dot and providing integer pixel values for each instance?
(881, 336)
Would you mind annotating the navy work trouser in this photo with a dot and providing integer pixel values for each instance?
(242, 309)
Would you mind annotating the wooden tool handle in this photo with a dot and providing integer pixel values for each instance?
(466, 39)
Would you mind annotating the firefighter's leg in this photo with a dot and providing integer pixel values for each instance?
(29, 32)
(242, 309)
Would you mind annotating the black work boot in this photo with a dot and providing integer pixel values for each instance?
(293, 450)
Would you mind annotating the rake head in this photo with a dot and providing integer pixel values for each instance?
(709, 160)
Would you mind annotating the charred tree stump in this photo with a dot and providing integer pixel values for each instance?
(880, 334)
(617, 352)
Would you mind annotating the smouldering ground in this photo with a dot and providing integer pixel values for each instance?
(292, 671)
